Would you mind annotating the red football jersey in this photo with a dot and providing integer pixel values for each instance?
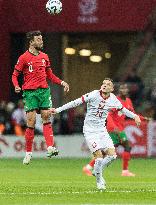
(34, 69)
(115, 119)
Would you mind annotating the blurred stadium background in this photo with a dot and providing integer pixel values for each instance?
(89, 40)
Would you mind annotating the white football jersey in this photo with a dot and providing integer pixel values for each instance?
(97, 110)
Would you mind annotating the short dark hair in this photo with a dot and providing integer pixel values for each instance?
(108, 79)
(123, 83)
(30, 35)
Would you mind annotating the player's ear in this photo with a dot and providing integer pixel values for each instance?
(30, 42)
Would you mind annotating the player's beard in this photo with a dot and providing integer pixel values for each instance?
(39, 48)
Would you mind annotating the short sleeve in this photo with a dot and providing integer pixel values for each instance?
(118, 104)
(88, 96)
(20, 64)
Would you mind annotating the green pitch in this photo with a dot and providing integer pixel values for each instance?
(60, 181)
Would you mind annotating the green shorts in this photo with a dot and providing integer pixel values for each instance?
(38, 99)
(118, 138)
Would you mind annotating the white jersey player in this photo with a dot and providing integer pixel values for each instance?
(99, 103)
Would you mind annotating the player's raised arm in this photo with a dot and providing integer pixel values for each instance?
(132, 115)
(127, 112)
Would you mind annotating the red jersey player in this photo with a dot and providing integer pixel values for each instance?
(36, 68)
(115, 127)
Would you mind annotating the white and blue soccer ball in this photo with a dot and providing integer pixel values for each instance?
(54, 6)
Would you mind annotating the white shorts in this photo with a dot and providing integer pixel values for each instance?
(98, 141)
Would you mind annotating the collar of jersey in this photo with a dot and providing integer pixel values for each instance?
(103, 97)
(33, 54)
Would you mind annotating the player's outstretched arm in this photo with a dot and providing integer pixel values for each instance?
(53, 111)
(148, 118)
(132, 115)
(67, 106)
(137, 120)
(84, 99)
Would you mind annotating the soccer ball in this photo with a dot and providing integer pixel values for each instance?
(54, 6)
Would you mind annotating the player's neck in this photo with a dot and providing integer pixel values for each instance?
(105, 95)
(33, 50)
(123, 97)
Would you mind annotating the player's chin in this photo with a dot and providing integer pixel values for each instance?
(39, 48)
(104, 90)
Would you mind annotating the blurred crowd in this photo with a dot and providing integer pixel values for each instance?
(143, 98)
(13, 120)
(13, 116)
